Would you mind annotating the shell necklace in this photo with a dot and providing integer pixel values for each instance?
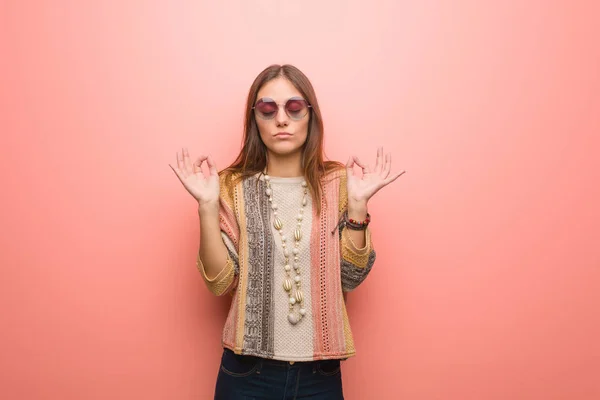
(294, 294)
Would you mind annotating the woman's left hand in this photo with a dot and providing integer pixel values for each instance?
(361, 189)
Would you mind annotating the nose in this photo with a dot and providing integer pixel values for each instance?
(281, 118)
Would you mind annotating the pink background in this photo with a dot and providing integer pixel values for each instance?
(488, 273)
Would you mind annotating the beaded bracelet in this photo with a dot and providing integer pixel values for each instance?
(356, 225)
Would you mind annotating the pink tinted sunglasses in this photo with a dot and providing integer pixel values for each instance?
(295, 108)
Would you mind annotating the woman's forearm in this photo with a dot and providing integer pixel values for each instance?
(212, 252)
(358, 212)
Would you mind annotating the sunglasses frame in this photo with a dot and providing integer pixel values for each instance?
(296, 98)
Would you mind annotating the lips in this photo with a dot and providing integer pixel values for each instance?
(283, 134)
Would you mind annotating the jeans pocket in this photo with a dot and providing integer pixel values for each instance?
(328, 367)
(238, 365)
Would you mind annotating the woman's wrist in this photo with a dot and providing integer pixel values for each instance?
(208, 209)
(357, 210)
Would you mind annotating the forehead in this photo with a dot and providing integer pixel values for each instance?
(278, 89)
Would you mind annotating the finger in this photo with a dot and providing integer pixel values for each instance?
(212, 166)
(393, 178)
(364, 167)
(199, 162)
(197, 169)
(181, 165)
(379, 161)
(387, 166)
(350, 167)
(177, 173)
(186, 160)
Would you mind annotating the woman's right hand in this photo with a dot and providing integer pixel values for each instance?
(204, 189)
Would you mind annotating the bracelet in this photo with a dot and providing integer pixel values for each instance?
(356, 225)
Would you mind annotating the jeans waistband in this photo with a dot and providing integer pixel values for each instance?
(281, 363)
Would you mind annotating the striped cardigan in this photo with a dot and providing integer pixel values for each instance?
(336, 266)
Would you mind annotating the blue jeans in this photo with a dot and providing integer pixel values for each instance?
(254, 378)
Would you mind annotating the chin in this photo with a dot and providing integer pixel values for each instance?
(284, 149)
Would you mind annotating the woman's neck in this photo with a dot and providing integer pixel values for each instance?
(285, 166)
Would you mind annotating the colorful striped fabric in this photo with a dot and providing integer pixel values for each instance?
(333, 265)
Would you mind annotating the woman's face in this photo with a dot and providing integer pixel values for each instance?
(282, 134)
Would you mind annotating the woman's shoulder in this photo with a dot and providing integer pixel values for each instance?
(228, 179)
(336, 179)
(227, 175)
(232, 177)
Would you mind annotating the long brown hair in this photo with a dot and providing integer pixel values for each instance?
(252, 158)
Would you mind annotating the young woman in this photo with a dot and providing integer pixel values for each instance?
(285, 233)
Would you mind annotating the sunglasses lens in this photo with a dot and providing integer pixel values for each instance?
(266, 109)
(296, 109)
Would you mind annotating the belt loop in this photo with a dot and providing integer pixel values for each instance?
(260, 365)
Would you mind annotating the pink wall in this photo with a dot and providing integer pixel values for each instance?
(488, 276)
